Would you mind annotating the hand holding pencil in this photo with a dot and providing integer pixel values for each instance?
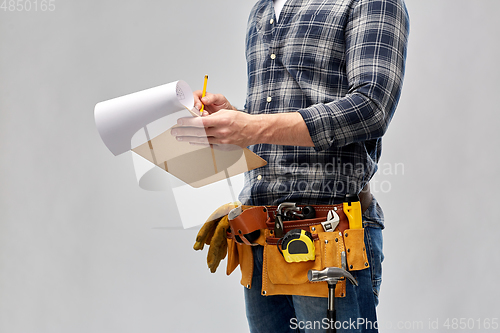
(209, 103)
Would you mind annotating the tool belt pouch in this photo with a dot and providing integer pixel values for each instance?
(282, 278)
(354, 242)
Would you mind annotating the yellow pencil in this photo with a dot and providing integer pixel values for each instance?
(204, 92)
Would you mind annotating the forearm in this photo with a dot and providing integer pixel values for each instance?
(288, 129)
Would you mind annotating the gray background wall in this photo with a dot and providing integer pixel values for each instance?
(80, 250)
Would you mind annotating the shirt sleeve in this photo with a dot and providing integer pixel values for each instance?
(376, 38)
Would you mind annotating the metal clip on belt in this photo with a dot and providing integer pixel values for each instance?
(280, 216)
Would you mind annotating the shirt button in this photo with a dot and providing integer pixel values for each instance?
(273, 56)
(259, 177)
(269, 99)
(271, 21)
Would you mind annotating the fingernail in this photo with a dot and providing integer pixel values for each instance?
(174, 133)
(179, 122)
(179, 138)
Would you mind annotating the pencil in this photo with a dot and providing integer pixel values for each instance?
(204, 92)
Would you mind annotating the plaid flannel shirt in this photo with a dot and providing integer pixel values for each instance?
(340, 64)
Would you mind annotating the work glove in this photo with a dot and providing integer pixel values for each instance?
(213, 233)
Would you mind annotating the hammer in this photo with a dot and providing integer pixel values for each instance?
(331, 275)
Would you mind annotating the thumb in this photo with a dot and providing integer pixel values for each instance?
(209, 99)
(218, 100)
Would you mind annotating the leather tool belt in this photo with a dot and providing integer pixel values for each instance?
(244, 227)
(342, 247)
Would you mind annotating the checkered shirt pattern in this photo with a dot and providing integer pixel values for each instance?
(340, 64)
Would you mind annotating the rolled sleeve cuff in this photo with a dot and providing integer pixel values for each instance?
(319, 125)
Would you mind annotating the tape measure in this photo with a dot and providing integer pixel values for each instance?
(297, 245)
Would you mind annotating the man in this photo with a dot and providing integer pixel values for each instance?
(324, 79)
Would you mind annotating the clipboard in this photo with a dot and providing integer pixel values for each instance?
(142, 123)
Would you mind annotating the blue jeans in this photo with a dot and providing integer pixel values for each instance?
(290, 313)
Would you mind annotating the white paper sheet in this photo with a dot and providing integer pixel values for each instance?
(126, 122)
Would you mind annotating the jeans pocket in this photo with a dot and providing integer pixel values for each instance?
(373, 240)
(376, 286)
(374, 216)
